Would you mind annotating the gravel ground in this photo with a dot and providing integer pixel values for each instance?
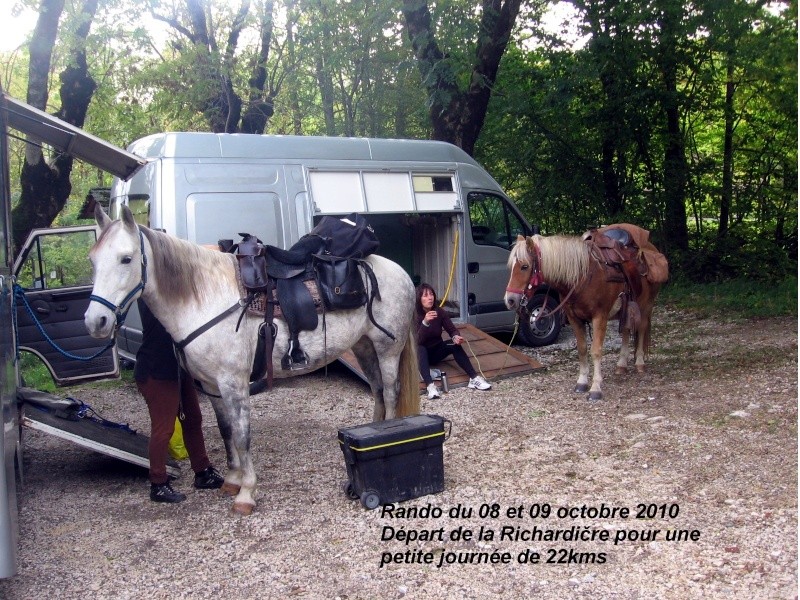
(706, 441)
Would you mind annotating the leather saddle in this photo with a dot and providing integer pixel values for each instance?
(286, 278)
(616, 250)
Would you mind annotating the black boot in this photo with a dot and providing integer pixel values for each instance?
(208, 479)
(163, 492)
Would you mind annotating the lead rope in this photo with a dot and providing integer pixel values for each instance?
(19, 294)
(506, 353)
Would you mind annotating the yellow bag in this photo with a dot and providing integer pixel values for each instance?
(176, 448)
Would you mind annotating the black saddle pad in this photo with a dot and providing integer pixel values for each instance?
(299, 254)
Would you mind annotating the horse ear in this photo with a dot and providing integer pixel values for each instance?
(127, 218)
(520, 238)
(101, 217)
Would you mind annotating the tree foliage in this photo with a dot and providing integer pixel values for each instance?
(678, 115)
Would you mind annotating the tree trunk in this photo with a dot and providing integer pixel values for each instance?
(676, 231)
(45, 187)
(260, 105)
(326, 93)
(222, 108)
(726, 196)
(294, 98)
(457, 116)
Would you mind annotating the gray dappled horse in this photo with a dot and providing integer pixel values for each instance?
(186, 285)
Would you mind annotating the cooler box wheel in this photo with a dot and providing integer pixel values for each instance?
(370, 499)
(349, 491)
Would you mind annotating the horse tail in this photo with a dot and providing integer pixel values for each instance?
(408, 378)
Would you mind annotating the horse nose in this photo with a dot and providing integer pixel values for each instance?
(95, 324)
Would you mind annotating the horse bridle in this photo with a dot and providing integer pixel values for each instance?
(534, 282)
(121, 310)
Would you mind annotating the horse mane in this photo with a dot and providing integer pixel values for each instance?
(565, 259)
(519, 253)
(185, 271)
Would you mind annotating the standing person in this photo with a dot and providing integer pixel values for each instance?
(431, 321)
(168, 390)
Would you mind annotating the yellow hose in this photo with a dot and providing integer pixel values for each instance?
(452, 270)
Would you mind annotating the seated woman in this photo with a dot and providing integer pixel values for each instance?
(431, 348)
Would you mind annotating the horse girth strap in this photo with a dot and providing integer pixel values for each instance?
(205, 327)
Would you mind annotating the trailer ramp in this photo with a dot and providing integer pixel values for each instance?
(495, 359)
(59, 417)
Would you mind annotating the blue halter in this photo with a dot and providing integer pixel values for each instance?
(121, 311)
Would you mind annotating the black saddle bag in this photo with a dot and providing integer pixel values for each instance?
(250, 253)
(340, 282)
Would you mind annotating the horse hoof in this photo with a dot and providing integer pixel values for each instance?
(581, 388)
(241, 508)
(641, 369)
(595, 396)
(230, 489)
(621, 371)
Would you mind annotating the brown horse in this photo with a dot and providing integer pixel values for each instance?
(592, 292)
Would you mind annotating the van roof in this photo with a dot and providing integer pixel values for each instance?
(291, 147)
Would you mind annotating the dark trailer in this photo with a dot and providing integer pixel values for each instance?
(40, 128)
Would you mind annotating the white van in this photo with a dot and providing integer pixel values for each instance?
(435, 210)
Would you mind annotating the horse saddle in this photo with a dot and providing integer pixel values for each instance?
(285, 278)
(616, 251)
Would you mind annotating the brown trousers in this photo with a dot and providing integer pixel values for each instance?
(163, 399)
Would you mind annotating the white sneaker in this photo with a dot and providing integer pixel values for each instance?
(479, 383)
(433, 391)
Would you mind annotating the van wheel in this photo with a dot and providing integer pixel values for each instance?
(543, 331)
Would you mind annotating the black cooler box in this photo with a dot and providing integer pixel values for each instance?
(395, 460)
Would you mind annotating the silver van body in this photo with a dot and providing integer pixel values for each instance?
(435, 210)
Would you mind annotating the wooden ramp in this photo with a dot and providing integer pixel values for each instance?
(488, 354)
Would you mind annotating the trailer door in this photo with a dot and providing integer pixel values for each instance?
(54, 276)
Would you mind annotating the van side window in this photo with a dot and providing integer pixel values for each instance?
(492, 220)
(58, 260)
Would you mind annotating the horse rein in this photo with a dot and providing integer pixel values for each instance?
(121, 311)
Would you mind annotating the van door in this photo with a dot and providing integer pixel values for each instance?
(492, 229)
(53, 285)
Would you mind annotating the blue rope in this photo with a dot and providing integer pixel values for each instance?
(87, 412)
(19, 293)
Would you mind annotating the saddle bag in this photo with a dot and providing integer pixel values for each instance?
(350, 236)
(340, 282)
(250, 253)
(657, 266)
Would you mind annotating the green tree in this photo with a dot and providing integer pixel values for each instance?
(459, 92)
(45, 184)
(204, 65)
